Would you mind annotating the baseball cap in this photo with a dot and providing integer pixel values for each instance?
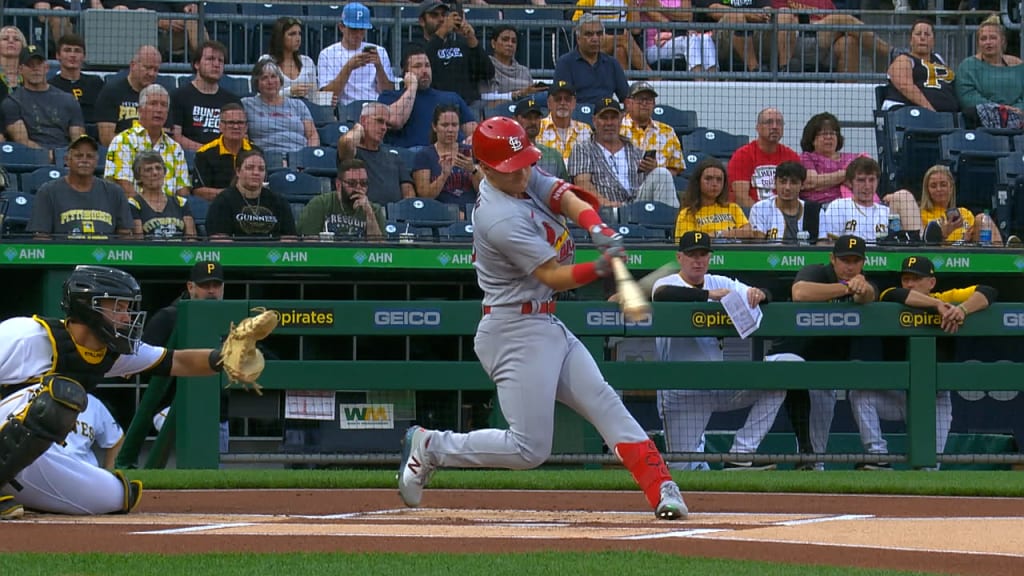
(849, 245)
(561, 86)
(431, 5)
(527, 105)
(84, 139)
(917, 265)
(203, 272)
(608, 103)
(642, 86)
(356, 16)
(29, 52)
(694, 240)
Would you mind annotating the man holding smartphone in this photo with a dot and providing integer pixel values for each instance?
(355, 69)
(458, 60)
(659, 141)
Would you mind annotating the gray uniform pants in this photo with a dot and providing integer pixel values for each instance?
(534, 360)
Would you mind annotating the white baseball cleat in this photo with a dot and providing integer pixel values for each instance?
(671, 506)
(415, 470)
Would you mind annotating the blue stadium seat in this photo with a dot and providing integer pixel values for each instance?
(506, 109)
(238, 85)
(330, 132)
(258, 33)
(460, 231)
(972, 155)
(229, 33)
(639, 233)
(1018, 143)
(682, 121)
(1010, 192)
(322, 115)
(691, 159)
(296, 187)
(349, 113)
(715, 143)
(324, 19)
(649, 214)
(540, 48)
(31, 181)
(17, 158)
(393, 229)
(315, 160)
(583, 113)
(408, 155)
(912, 137)
(423, 212)
(199, 207)
(17, 211)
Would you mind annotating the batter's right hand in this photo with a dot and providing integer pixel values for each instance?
(603, 265)
(605, 237)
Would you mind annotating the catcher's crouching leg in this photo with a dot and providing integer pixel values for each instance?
(46, 419)
(132, 492)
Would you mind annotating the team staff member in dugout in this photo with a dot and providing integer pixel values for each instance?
(523, 254)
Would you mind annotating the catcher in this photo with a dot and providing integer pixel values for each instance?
(47, 367)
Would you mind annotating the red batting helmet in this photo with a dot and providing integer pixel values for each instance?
(501, 143)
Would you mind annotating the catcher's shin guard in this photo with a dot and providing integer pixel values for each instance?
(132, 492)
(645, 463)
(48, 418)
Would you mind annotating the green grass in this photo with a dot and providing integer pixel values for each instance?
(539, 564)
(964, 483)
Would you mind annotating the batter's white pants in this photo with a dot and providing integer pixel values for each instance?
(685, 415)
(59, 483)
(534, 361)
(658, 187)
(823, 409)
(871, 406)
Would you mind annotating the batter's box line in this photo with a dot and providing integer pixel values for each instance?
(675, 534)
(862, 546)
(194, 529)
(824, 519)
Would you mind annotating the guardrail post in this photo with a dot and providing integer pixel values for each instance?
(201, 324)
(921, 402)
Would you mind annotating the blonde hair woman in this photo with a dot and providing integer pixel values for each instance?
(991, 78)
(11, 43)
(938, 204)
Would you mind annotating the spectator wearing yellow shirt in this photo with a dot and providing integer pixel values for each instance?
(648, 134)
(558, 130)
(706, 207)
(938, 204)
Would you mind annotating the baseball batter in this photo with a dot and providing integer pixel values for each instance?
(47, 366)
(523, 254)
(685, 413)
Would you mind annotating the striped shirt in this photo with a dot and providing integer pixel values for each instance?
(123, 148)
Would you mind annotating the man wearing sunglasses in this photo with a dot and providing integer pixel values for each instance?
(345, 212)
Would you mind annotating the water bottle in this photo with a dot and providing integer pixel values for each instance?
(803, 238)
(985, 228)
(894, 223)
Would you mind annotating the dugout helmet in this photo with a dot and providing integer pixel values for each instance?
(502, 144)
(84, 292)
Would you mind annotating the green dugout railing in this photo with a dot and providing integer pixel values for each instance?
(430, 256)
(202, 323)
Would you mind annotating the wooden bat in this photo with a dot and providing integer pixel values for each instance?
(647, 282)
(634, 303)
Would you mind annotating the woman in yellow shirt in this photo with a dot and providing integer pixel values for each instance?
(938, 204)
(706, 207)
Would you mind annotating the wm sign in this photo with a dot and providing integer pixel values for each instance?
(367, 416)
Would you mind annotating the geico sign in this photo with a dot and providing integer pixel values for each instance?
(612, 318)
(1013, 320)
(406, 318)
(827, 319)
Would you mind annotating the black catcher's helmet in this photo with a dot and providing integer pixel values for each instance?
(118, 326)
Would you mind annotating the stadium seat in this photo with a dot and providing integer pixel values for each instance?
(423, 212)
(460, 231)
(349, 113)
(322, 115)
(649, 214)
(297, 187)
(1010, 192)
(912, 137)
(691, 159)
(972, 155)
(229, 33)
(17, 158)
(258, 32)
(17, 211)
(199, 207)
(506, 109)
(682, 121)
(583, 113)
(330, 132)
(394, 229)
(639, 233)
(238, 85)
(408, 155)
(579, 235)
(315, 160)
(539, 48)
(1018, 143)
(31, 181)
(715, 143)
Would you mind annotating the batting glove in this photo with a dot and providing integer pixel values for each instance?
(603, 265)
(604, 237)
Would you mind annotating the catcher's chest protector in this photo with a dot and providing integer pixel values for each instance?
(68, 360)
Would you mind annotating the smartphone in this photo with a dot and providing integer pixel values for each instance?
(540, 84)
(952, 215)
(369, 49)
(652, 154)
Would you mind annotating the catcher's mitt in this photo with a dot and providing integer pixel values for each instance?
(240, 358)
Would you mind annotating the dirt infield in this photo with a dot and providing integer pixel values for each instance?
(943, 535)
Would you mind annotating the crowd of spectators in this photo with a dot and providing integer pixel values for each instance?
(411, 133)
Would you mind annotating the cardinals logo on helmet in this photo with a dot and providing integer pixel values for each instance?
(515, 143)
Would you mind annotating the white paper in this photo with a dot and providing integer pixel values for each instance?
(745, 319)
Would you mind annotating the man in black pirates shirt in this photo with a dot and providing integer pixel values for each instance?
(841, 280)
(85, 88)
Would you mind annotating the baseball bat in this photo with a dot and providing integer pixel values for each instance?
(635, 306)
(647, 282)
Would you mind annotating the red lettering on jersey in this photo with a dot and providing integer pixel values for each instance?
(549, 232)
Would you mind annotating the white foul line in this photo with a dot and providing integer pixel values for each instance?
(197, 528)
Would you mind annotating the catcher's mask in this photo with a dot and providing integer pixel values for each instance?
(502, 144)
(108, 301)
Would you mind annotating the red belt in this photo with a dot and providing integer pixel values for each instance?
(528, 308)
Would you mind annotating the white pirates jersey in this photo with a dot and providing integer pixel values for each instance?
(706, 348)
(94, 427)
(766, 218)
(844, 216)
